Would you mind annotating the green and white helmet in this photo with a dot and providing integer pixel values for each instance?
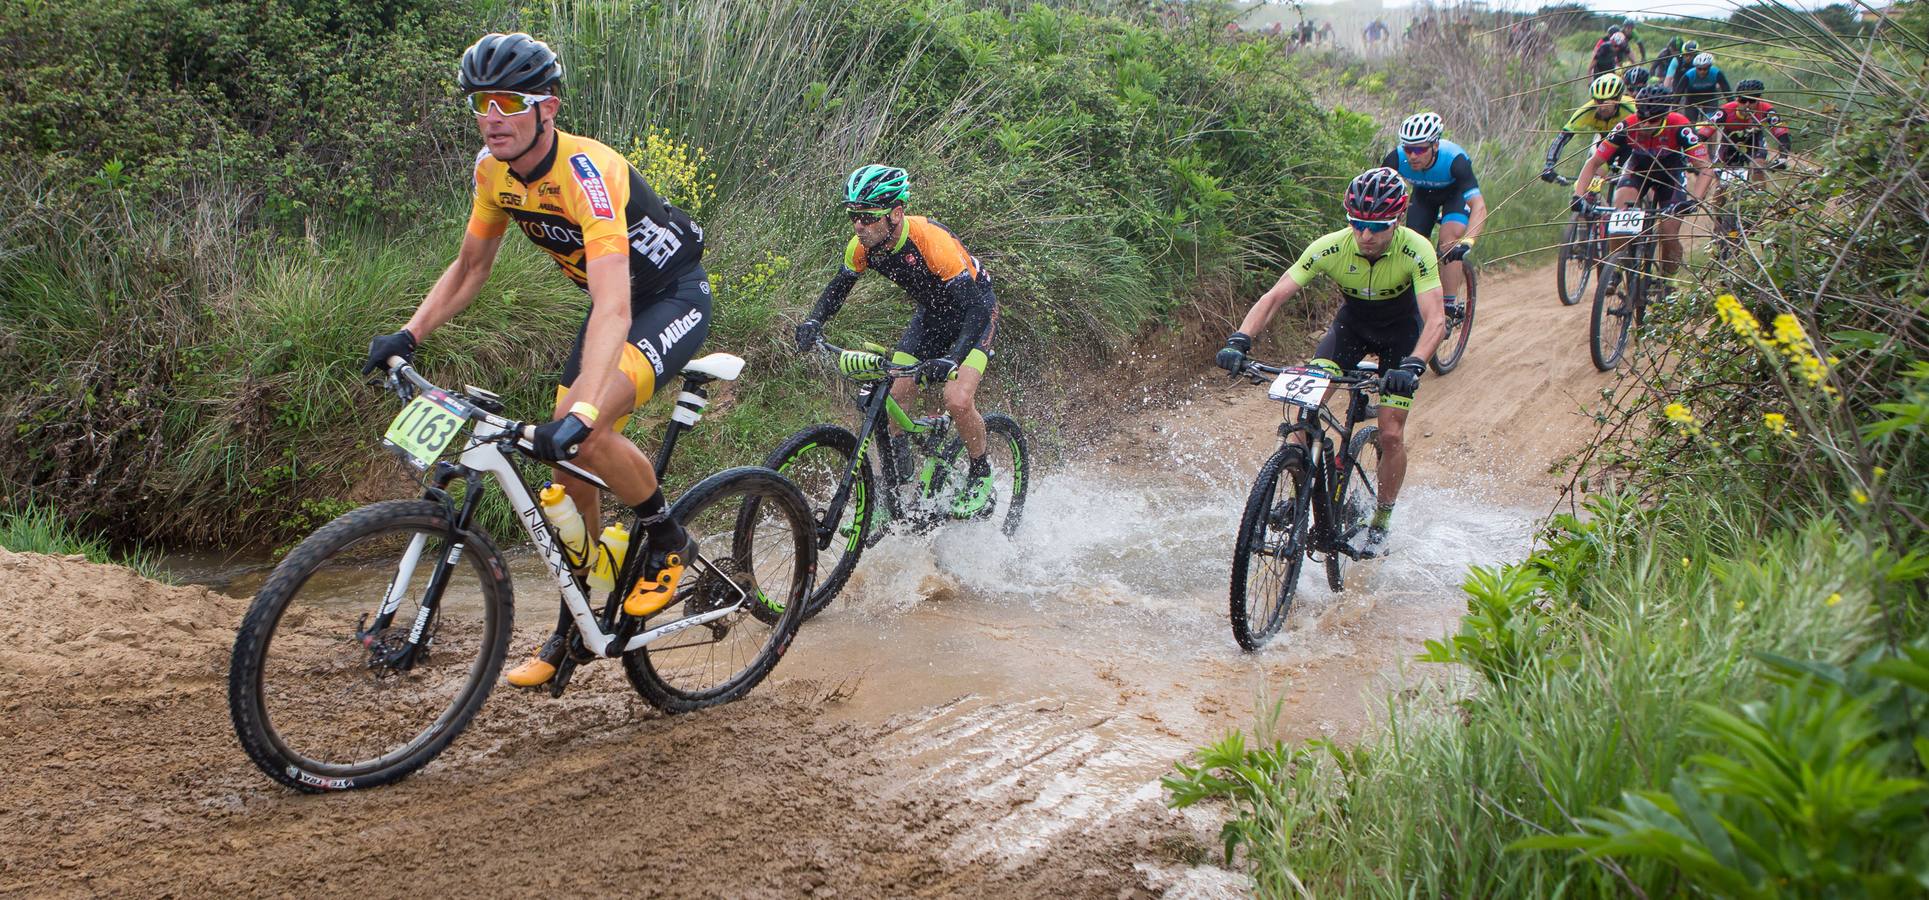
(877, 187)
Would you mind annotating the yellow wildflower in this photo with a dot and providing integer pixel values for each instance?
(1833, 599)
(1776, 422)
(1789, 333)
(1879, 471)
(1683, 417)
(1738, 605)
(1858, 496)
(1737, 317)
(1684, 562)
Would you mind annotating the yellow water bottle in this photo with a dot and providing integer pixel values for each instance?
(609, 557)
(561, 512)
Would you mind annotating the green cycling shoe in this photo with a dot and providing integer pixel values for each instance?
(976, 498)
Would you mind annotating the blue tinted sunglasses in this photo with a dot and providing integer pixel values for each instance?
(1364, 225)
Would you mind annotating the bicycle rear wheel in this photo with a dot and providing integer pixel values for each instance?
(320, 704)
(1613, 309)
(816, 459)
(1359, 498)
(756, 554)
(1454, 346)
(1576, 266)
(1270, 549)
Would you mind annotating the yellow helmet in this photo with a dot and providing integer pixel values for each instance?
(1608, 87)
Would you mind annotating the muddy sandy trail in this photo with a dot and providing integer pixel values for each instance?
(974, 717)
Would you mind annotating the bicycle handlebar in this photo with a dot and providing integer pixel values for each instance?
(399, 370)
(890, 368)
(1254, 369)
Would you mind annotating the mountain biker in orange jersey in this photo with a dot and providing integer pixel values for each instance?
(1393, 309)
(1655, 148)
(952, 326)
(638, 259)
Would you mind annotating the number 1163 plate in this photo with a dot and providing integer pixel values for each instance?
(425, 427)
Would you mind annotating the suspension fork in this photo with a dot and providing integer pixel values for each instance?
(873, 414)
(404, 657)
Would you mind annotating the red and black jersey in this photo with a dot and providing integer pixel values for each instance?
(1732, 119)
(1675, 135)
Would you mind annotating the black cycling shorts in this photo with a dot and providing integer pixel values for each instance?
(1429, 208)
(1654, 175)
(930, 336)
(1391, 335)
(1752, 148)
(666, 331)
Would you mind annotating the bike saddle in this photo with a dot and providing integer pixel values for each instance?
(722, 366)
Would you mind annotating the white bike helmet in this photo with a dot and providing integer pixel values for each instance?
(1704, 60)
(1422, 128)
(1617, 39)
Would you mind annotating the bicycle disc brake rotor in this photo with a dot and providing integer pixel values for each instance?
(723, 583)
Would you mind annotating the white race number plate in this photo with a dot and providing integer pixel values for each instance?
(1625, 222)
(1300, 386)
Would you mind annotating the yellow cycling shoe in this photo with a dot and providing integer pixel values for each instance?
(657, 587)
(538, 669)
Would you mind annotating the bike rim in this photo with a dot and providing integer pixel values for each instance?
(748, 559)
(326, 704)
(1274, 558)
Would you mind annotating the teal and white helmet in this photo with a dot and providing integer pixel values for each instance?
(877, 187)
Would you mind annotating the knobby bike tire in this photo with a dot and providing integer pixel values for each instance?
(1576, 246)
(247, 704)
(1452, 350)
(1354, 479)
(755, 487)
(1004, 428)
(1613, 316)
(1265, 520)
(836, 445)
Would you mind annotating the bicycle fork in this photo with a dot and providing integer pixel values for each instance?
(383, 654)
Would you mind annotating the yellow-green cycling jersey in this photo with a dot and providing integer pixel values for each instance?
(1587, 120)
(1407, 268)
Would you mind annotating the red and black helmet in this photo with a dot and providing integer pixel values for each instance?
(1377, 195)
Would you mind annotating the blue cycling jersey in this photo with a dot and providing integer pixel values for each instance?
(1693, 80)
(1451, 168)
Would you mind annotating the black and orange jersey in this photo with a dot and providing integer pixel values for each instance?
(586, 201)
(931, 265)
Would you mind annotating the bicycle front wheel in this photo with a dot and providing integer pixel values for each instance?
(1576, 260)
(1270, 549)
(817, 459)
(1613, 309)
(322, 699)
(756, 556)
(1358, 498)
(1453, 347)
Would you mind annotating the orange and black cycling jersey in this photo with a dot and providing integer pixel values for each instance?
(946, 282)
(586, 201)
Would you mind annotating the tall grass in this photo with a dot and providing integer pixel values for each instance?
(37, 529)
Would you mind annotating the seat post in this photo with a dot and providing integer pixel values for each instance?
(689, 410)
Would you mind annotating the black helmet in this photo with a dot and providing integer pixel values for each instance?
(1377, 195)
(1637, 77)
(1614, 29)
(1749, 89)
(509, 62)
(1651, 102)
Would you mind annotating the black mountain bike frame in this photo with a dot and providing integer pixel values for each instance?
(1329, 468)
(875, 403)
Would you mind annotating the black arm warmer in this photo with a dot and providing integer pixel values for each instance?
(834, 295)
(1554, 149)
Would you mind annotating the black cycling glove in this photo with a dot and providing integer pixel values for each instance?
(1577, 203)
(1232, 357)
(560, 440)
(401, 343)
(936, 371)
(1456, 253)
(1402, 380)
(808, 332)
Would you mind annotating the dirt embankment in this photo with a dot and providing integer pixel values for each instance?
(125, 778)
